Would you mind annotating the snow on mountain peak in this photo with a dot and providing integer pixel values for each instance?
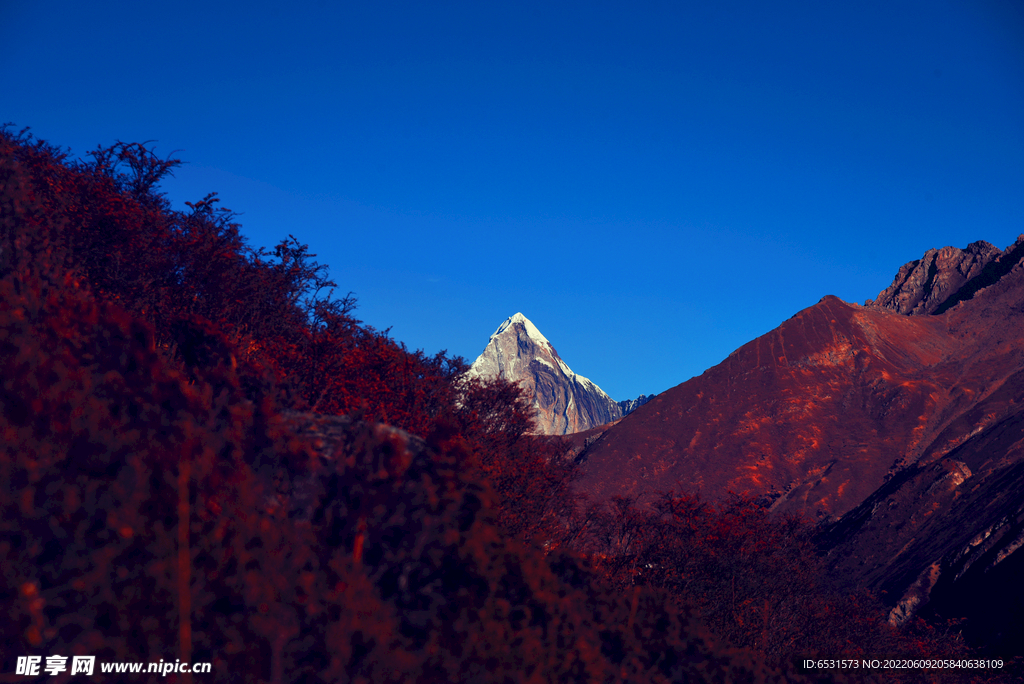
(531, 329)
(565, 402)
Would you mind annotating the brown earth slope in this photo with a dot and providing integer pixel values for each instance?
(817, 414)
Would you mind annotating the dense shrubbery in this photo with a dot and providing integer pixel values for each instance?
(146, 473)
(754, 578)
(212, 300)
(192, 276)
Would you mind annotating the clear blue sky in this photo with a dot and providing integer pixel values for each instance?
(653, 184)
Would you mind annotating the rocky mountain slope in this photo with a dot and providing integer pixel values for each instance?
(565, 402)
(942, 537)
(820, 412)
(900, 424)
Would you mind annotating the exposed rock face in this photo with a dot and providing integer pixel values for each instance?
(926, 285)
(565, 402)
(630, 405)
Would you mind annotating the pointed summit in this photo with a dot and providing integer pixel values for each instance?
(531, 329)
(565, 402)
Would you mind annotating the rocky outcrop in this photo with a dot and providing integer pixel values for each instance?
(945, 277)
(565, 402)
(921, 286)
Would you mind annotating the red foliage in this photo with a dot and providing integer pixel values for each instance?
(142, 513)
(755, 579)
(211, 299)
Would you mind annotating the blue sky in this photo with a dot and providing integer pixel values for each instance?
(652, 184)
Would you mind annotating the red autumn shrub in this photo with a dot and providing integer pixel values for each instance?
(756, 580)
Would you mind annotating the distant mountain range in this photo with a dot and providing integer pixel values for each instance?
(898, 424)
(565, 401)
(630, 405)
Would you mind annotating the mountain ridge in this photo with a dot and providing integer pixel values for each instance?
(816, 414)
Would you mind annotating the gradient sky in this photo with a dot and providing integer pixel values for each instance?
(652, 184)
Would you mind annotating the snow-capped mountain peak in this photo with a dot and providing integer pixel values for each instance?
(531, 329)
(565, 402)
